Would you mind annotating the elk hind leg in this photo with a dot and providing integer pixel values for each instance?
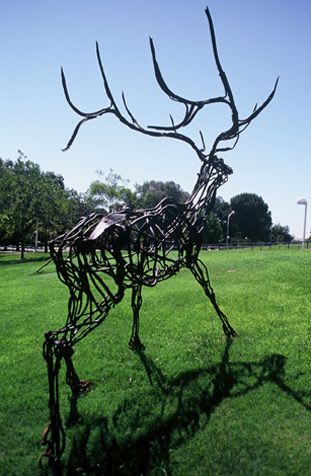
(200, 272)
(135, 342)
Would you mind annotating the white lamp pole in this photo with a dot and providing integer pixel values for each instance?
(303, 201)
(228, 221)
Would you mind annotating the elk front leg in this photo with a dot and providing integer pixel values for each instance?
(200, 272)
(135, 342)
(75, 384)
(54, 437)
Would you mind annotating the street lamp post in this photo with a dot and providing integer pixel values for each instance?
(303, 201)
(228, 221)
(36, 240)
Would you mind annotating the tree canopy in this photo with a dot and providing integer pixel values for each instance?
(152, 192)
(281, 234)
(32, 200)
(252, 218)
(110, 193)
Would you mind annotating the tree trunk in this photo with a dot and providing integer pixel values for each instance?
(22, 249)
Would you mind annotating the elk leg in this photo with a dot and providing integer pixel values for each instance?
(74, 383)
(54, 437)
(200, 272)
(135, 342)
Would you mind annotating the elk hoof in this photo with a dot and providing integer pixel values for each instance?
(84, 386)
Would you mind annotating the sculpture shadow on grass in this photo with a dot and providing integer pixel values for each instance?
(185, 405)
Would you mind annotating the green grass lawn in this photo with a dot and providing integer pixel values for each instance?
(192, 404)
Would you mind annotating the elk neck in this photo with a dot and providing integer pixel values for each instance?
(211, 176)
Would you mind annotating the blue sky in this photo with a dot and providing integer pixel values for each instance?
(257, 41)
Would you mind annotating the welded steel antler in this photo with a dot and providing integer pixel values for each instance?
(191, 107)
(135, 248)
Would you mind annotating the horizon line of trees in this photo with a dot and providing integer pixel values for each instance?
(33, 201)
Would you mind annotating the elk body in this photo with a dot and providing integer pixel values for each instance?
(103, 256)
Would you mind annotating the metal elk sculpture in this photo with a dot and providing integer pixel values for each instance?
(103, 256)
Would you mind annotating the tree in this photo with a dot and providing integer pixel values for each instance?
(17, 198)
(110, 193)
(281, 234)
(78, 205)
(221, 210)
(252, 218)
(6, 196)
(213, 232)
(50, 207)
(33, 200)
(151, 193)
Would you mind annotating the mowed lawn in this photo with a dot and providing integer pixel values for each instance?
(192, 403)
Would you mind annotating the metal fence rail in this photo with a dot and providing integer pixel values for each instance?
(206, 246)
(257, 245)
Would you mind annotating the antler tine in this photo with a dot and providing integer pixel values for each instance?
(86, 115)
(74, 134)
(162, 83)
(203, 141)
(76, 110)
(257, 110)
(237, 125)
(192, 107)
(233, 131)
(134, 121)
(112, 108)
(243, 124)
(104, 78)
(222, 74)
(173, 124)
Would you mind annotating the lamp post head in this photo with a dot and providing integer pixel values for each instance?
(302, 201)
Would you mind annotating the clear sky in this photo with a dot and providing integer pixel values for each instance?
(257, 41)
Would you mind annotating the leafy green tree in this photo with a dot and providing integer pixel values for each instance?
(222, 209)
(213, 232)
(33, 200)
(7, 182)
(112, 192)
(17, 198)
(281, 234)
(50, 207)
(109, 193)
(151, 193)
(77, 206)
(252, 218)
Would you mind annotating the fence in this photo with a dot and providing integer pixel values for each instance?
(17, 249)
(257, 245)
(206, 246)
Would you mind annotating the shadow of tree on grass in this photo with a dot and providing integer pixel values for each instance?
(186, 403)
(4, 261)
